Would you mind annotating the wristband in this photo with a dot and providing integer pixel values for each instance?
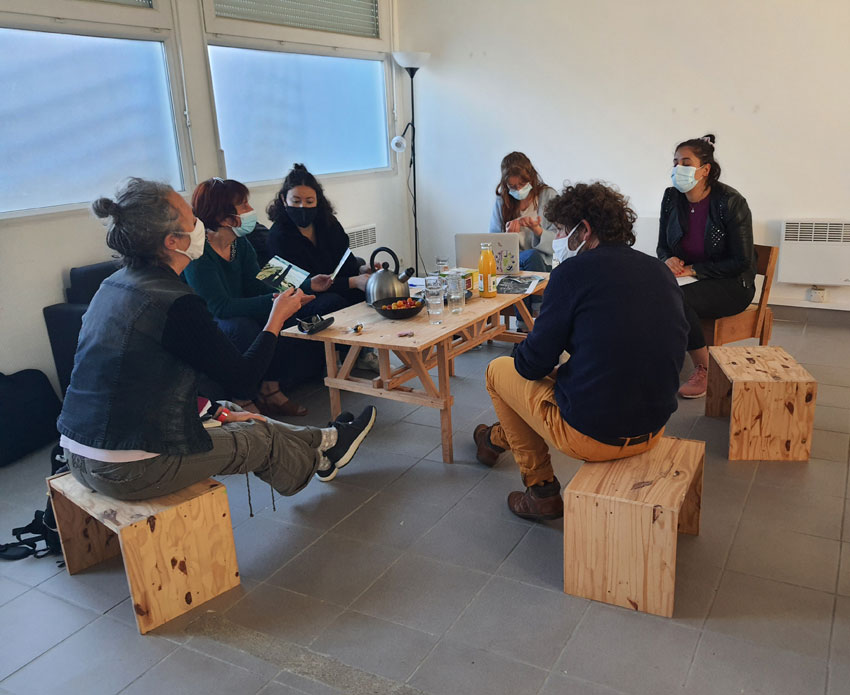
(222, 416)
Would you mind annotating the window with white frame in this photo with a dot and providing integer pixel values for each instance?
(354, 17)
(80, 114)
(275, 109)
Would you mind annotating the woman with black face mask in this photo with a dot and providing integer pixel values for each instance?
(306, 232)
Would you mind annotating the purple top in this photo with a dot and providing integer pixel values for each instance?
(693, 243)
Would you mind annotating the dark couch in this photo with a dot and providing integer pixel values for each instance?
(65, 320)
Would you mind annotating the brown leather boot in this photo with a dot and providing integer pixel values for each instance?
(538, 502)
(488, 453)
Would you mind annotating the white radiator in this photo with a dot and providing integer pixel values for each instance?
(815, 252)
(362, 236)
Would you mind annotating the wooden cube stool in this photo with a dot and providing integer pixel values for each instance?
(621, 520)
(769, 399)
(178, 549)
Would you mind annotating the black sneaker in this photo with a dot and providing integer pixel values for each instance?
(344, 416)
(349, 437)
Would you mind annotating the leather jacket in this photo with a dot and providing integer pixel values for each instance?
(728, 234)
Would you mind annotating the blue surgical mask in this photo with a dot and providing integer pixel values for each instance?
(248, 220)
(521, 193)
(683, 178)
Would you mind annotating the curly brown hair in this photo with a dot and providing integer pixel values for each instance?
(604, 207)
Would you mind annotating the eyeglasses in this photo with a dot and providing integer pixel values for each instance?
(217, 179)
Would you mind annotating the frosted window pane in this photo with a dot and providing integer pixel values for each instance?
(79, 114)
(278, 108)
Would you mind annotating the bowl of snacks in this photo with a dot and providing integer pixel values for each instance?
(398, 307)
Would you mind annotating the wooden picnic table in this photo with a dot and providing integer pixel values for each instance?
(430, 345)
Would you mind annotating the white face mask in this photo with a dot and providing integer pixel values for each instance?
(560, 248)
(197, 237)
(521, 193)
(683, 178)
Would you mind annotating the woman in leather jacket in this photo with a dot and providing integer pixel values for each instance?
(706, 233)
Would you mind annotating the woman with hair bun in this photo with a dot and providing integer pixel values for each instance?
(129, 423)
(706, 232)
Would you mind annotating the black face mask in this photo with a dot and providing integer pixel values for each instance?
(302, 217)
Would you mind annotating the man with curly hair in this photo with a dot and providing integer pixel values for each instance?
(619, 314)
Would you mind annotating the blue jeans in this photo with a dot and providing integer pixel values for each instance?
(532, 259)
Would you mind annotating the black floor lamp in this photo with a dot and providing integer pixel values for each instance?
(410, 61)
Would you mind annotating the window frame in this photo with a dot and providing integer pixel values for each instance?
(278, 46)
(108, 27)
(59, 11)
(220, 27)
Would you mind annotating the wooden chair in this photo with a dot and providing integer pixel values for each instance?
(756, 321)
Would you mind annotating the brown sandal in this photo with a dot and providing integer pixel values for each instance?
(287, 409)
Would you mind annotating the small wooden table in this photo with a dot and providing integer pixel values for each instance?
(430, 345)
(769, 399)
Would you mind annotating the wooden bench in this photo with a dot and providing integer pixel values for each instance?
(621, 520)
(768, 398)
(178, 549)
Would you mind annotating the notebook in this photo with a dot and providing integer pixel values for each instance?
(505, 249)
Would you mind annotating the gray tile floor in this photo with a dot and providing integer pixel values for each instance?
(405, 575)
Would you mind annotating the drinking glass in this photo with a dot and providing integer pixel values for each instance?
(434, 298)
(455, 292)
(442, 264)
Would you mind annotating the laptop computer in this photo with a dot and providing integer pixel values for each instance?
(505, 249)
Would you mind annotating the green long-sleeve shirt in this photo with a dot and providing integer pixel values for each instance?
(230, 288)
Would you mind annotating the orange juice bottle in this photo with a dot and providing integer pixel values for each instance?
(487, 272)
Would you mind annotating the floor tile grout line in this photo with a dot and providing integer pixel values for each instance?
(52, 647)
(188, 646)
(723, 569)
(150, 668)
(571, 637)
(445, 636)
(831, 635)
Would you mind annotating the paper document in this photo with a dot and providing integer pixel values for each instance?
(686, 280)
(281, 275)
(341, 263)
(517, 284)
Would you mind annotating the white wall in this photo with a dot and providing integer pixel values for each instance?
(605, 90)
(36, 252)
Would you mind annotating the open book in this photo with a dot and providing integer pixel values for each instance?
(280, 275)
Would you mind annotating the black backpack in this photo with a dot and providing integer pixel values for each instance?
(28, 411)
(42, 529)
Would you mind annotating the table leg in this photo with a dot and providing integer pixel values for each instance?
(525, 313)
(331, 364)
(443, 368)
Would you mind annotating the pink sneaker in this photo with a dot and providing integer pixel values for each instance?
(695, 386)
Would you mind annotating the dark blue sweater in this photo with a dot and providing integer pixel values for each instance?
(619, 313)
